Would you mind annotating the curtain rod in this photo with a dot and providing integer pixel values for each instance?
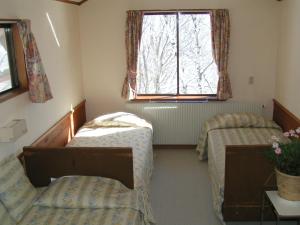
(171, 10)
(10, 20)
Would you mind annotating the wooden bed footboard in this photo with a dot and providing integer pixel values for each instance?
(42, 164)
(248, 173)
(246, 176)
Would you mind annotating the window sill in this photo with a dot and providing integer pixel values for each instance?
(175, 99)
(11, 94)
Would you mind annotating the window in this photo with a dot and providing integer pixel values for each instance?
(8, 68)
(175, 56)
(13, 76)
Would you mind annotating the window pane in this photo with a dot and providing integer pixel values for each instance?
(157, 62)
(5, 75)
(197, 69)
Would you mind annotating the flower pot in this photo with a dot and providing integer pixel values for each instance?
(288, 186)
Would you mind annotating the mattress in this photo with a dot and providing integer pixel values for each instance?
(217, 140)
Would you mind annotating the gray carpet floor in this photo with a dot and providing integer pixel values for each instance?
(181, 191)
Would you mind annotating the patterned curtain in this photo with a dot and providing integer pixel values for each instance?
(134, 25)
(220, 23)
(39, 88)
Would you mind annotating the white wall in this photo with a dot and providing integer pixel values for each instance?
(62, 65)
(253, 51)
(288, 77)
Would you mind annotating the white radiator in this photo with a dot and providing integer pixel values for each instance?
(180, 123)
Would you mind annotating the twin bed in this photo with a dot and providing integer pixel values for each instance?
(109, 135)
(234, 145)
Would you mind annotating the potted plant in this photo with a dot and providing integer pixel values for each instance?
(286, 158)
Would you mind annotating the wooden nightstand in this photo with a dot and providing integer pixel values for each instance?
(283, 209)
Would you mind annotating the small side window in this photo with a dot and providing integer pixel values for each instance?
(8, 67)
(13, 75)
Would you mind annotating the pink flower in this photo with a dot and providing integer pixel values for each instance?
(278, 151)
(292, 132)
(298, 130)
(275, 145)
(286, 134)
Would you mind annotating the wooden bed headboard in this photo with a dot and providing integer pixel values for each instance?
(284, 118)
(61, 133)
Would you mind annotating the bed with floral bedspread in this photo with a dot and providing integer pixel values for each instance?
(79, 200)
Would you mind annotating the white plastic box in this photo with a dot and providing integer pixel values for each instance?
(13, 130)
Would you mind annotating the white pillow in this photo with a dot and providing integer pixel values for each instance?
(16, 192)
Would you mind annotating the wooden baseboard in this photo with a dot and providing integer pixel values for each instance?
(166, 147)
